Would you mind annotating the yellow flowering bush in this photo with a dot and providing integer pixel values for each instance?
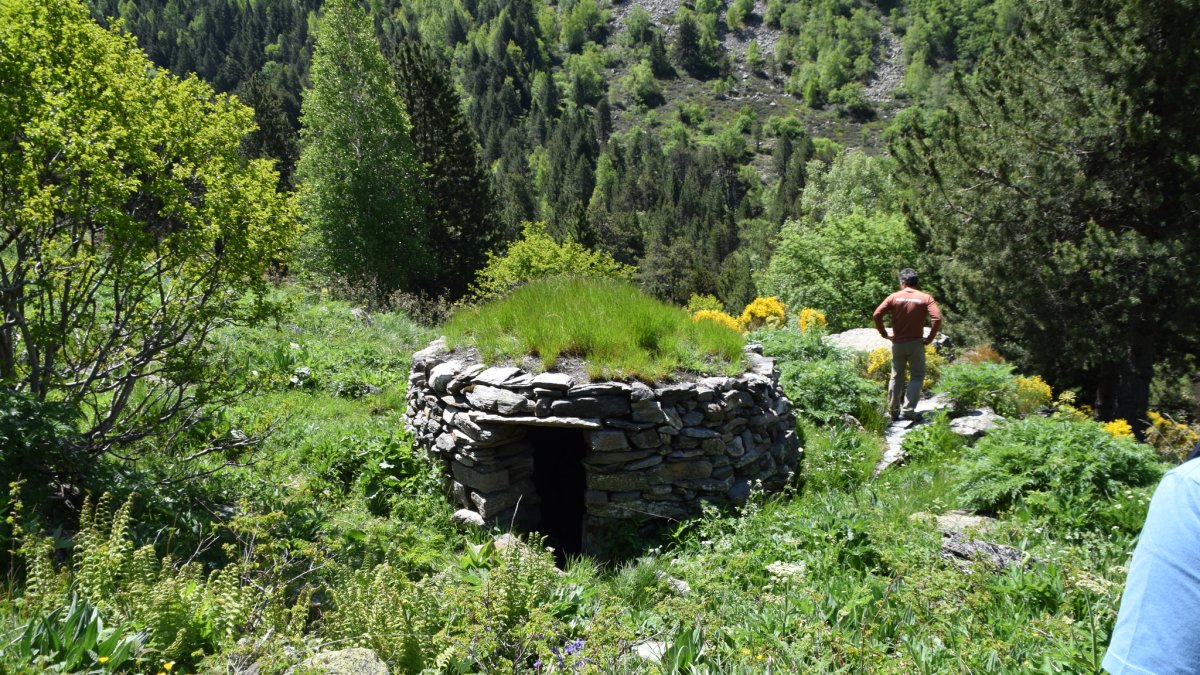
(719, 317)
(1032, 393)
(763, 312)
(1170, 438)
(933, 366)
(811, 318)
(1119, 428)
(879, 365)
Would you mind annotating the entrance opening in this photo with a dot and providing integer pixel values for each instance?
(559, 478)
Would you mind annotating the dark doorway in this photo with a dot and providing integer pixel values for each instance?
(560, 481)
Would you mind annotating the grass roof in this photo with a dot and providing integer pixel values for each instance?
(619, 332)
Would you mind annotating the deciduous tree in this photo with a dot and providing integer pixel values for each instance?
(130, 227)
(362, 189)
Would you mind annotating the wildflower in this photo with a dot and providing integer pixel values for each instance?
(781, 571)
(102, 660)
(718, 317)
(811, 318)
(168, 666)
(763, 312)
(1119, 428)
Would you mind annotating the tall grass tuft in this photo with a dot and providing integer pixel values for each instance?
(619, 331)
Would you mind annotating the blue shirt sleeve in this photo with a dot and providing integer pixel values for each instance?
(1156, 625)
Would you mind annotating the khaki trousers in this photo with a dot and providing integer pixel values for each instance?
(902, 399)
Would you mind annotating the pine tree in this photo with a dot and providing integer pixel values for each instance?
(362, 188)
(274, 138)
(1059, 196)
(461, 209)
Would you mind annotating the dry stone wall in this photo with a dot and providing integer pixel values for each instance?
(649, 452)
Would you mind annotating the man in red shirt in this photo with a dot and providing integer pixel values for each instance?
(908, 308)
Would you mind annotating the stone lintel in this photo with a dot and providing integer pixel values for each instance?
(562, 422)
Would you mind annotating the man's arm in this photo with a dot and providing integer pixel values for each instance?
(878, 316)
(935, 317)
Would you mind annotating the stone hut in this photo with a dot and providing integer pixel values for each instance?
(577, 461)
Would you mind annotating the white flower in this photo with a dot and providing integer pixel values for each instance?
(781, 571)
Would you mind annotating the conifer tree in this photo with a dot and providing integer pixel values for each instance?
(362, 188)
(461, 209)
(274, 138)
(1059, 197)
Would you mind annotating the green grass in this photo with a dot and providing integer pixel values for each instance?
(843, 576)
(619, 331)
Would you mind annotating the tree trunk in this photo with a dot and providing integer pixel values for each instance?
(1134, 375)
(1123, 387)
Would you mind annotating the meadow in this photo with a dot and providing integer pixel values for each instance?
(334, 532)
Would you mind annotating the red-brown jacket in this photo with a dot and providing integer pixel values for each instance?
(908, 308)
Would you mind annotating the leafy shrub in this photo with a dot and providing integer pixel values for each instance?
(642, 86)
(933, 442)
(1062, 469)
(1170, 438)
(40, 446)
(763, 312)
(789, 345)
(838, 458)
(537, 256)
(824, 390)
(845, 265)
(820, 379)
(719, 317)
(971, 385)
(813, 319)
(613, 326)
(700, 301)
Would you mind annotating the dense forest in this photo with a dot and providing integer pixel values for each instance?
(679, 143)
(226, 226)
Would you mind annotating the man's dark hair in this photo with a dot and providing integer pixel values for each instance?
(908, 277)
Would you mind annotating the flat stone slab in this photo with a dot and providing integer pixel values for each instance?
(963, 551)
(560, 422)
(556, 381)
(861, 340)
(496, 376)
(975, 423)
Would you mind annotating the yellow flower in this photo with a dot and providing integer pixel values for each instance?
(811, 318)
(1119, 428)
(763, 312)
(879, 364)
(102, 660)
(716, 317)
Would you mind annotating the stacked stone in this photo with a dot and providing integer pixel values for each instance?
(653, 452)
